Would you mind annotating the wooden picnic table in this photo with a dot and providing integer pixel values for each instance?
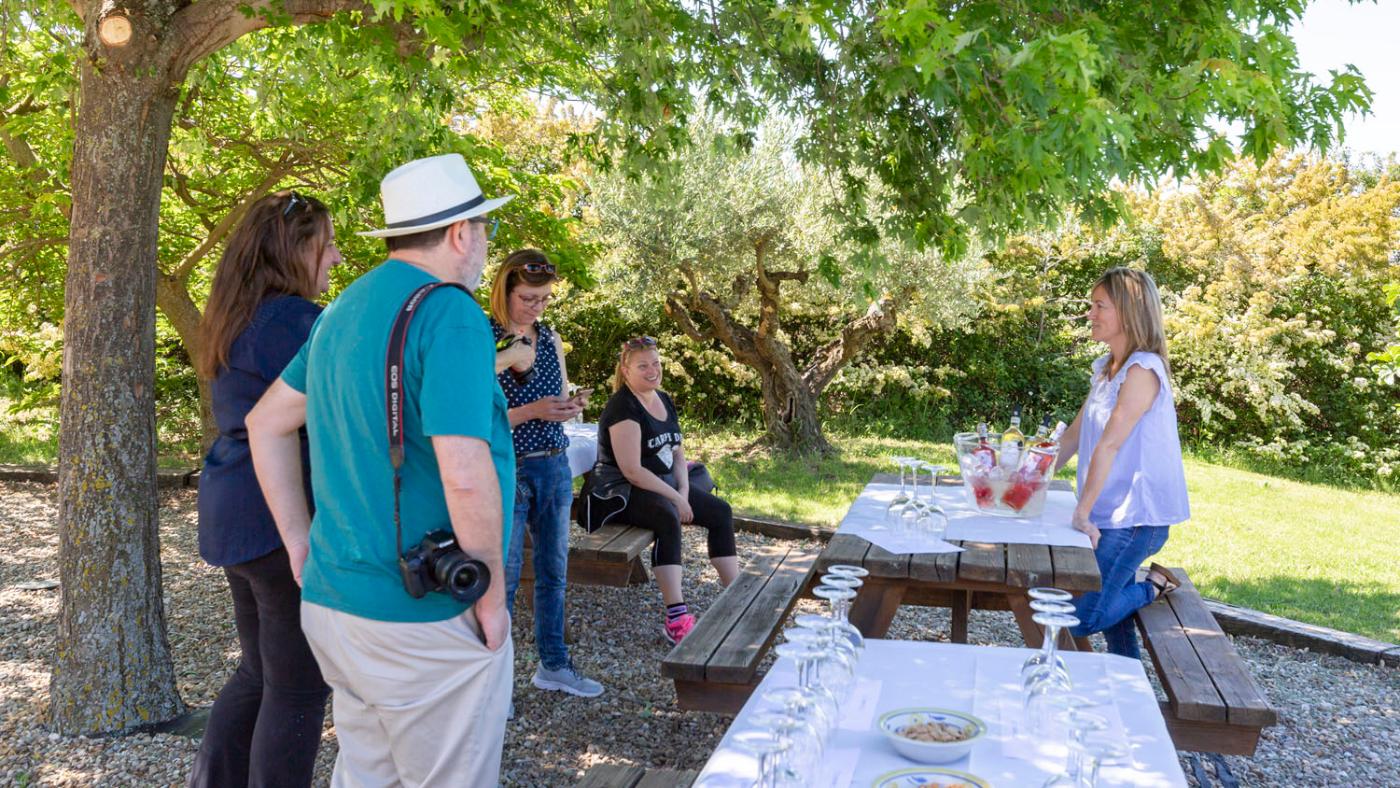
(984, 576)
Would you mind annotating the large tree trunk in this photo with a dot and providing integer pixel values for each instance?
(173, 299)
(112, 670)
(790, 411)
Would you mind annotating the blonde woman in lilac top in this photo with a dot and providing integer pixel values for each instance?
(1132, 485)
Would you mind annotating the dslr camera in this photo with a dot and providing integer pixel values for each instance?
(438, 564)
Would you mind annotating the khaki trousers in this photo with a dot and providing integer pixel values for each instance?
(414, 704)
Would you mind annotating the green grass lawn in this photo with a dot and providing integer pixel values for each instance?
(1325, 555)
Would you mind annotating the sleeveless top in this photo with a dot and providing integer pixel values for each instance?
(536, 434)
(1147, 483)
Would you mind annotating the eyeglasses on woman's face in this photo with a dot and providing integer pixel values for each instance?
(535, 300)
(492, 225)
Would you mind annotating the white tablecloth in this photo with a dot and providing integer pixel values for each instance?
(866, 519)
(982, 680)
(583, 446)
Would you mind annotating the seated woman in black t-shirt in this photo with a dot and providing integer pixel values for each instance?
(642, 479)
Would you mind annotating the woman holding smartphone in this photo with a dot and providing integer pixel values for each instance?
(536, 382)
(1132, 484)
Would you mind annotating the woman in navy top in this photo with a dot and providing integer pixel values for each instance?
(536, 389)
(265, 726)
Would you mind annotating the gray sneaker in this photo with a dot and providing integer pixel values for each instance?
(567, 680)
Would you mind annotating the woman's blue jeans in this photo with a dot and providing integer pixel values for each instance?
(544, 491)
(1110, 611)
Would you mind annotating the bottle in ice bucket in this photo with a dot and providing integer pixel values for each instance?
(1012, 441)
(1033, 475)
(984, 461)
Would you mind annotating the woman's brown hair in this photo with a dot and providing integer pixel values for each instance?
(1134, 295)
(511, 273)
(266, 255)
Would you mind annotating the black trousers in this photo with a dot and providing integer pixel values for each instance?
(646, 509)
(265, 726)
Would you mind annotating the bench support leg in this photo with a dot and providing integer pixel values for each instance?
(1030, 631)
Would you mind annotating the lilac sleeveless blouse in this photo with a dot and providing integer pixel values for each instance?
(1147, 484)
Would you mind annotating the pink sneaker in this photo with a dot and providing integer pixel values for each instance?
(676, 630)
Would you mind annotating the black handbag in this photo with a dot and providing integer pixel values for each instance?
(595, 510)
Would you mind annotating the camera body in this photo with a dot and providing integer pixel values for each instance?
(438, 564)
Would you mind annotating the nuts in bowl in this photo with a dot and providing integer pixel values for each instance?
(931, 735)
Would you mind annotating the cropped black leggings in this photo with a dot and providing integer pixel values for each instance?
(646, 509)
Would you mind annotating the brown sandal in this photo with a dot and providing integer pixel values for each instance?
(1169, 582)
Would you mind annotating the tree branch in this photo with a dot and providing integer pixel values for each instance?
(877, 320)
(225, 226)
(203, 28)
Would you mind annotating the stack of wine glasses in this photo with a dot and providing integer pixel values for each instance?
(793, 725)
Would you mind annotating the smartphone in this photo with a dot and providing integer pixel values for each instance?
(581, 394)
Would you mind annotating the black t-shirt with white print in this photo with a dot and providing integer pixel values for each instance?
(660, 438)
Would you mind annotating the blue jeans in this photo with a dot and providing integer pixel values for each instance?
(544, 491)
(1110, 611)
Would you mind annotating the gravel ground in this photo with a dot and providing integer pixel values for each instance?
(1341, 720)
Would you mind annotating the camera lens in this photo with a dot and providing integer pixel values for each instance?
(458, 575)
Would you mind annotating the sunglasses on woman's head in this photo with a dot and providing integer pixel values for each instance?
(538, 268)
(293, 200)
(637, 343)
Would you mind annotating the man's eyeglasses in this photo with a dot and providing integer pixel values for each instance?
(492, 225)
(638, 343)
(293, 200)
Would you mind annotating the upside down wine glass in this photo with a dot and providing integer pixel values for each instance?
(1051, 669)
(806, 657)
(1046, 655)
(839, 597)
(770, 749)
(1080, 771)
(901, 498)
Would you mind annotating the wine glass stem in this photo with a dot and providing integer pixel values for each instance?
(1052, 640)
(806, 675)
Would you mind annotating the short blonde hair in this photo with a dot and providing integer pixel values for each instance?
(512, 273)
(1134, 295)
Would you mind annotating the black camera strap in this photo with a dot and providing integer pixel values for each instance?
(393, 391)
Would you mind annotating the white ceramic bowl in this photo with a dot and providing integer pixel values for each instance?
(928, 777)
(891, 723)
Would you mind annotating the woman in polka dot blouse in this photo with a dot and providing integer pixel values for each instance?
(535, 388)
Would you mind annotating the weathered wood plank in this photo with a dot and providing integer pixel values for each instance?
(1219, 737)
(736, 660)
(612, 775)
(628, 545)
(667, 778)
(589, 545)
(1075, 568)
(934, 567)
(883, 563)
(843, 549)
(982, 561)
(1188, 685)
(1029, 566)
(1243, 697)
(712, 696)
(688, 659)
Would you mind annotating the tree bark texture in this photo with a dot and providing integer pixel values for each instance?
(790, 393)
(112, 670)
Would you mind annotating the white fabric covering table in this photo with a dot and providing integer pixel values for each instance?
(982, 680)
(583, 446)
(866, 519)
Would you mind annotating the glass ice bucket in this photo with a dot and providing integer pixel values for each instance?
(1010, 482)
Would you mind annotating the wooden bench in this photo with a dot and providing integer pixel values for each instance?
(609, 775)
(610, 556)
(1213, 704)
(716, 667)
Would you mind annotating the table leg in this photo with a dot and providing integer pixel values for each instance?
(960, 611)
(1030, 631)
(874, 607)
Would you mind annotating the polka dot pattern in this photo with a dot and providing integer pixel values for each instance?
(535, 435)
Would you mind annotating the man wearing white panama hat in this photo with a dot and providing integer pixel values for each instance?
(422, 681)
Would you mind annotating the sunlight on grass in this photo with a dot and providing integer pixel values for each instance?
(1311, 552)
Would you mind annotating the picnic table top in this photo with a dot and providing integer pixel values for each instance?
(981, 565)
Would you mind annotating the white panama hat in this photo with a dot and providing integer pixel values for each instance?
(426, 194)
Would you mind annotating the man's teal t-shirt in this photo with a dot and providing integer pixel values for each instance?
(450, 388)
